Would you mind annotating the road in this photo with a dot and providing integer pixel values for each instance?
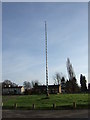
(44, 113)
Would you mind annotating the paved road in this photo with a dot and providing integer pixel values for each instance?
(45, 113)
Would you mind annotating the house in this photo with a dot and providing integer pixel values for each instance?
(89, 87)
(12, 90)
(53, 89)
(63, 88)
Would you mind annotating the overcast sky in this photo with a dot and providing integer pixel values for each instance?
(23, 42)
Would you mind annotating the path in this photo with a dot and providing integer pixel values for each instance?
(45, 113)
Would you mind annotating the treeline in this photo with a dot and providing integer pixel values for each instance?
(69, 85)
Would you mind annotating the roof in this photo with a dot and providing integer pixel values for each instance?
(14, 87)
(44, 86)
(49, 85)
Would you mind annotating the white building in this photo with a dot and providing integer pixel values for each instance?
(12, 90)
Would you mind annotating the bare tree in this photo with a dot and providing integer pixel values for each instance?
(27, 84)
(7, 83)
(35, 83)
(57, 78)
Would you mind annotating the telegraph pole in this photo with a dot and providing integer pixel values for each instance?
(47, 92)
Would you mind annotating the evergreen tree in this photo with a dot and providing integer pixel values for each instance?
(71, 85)
(83, 83)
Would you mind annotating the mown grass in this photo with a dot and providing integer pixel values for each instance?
(62, 101)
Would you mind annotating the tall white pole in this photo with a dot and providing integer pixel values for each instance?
(47, 92)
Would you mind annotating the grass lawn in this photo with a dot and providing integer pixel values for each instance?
(41, 102)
